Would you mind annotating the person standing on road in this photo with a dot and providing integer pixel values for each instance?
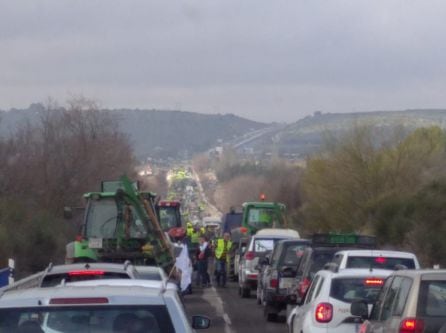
(222, 249)
(203, 253)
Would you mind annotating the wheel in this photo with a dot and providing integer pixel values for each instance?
(291, 327)
(268, 314)
(289, 308)
(246, 292)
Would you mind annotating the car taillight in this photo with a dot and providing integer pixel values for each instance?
(411, 325)
(373, 282)
(83, 273)
(80, 300)
(324, 312)
(380, 260)
(303, 286)
(249, 255)
(273, 283)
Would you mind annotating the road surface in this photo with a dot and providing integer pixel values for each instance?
(228, 312)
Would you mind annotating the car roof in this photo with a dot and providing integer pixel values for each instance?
(356, 272)
(423, 273)
(125, 282)
(277, 233)
(110, 267)
(294, 241)
(148, 269)
(381, 253)
(115, 294)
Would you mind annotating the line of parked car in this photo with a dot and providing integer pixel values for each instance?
(341, 284)
(96, 298)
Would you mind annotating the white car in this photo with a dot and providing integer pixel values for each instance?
(104, 309)
(259, 245)
(151, 273)
(160, 285)
(380, 259)
(326, 307)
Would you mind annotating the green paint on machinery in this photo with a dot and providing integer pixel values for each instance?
(260, 215)
(120, 223)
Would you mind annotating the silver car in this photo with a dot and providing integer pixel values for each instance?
(104, 309)
(410, 301)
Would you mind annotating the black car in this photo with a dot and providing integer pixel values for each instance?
(321, 252)
(278, 276)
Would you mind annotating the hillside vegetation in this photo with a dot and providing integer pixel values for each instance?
(394, 188)
(155, 133)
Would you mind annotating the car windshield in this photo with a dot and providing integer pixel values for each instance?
(52, 280)
(432, 299)
(379, 262)
(102, 218)
(350, 289)
(92, 319)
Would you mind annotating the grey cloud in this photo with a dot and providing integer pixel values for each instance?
(243, 57)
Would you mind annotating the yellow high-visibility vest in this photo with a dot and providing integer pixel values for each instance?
(221, 246)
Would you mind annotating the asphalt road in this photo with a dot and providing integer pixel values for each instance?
(229, 313)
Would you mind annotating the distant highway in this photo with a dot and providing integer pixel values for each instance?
(254, 135)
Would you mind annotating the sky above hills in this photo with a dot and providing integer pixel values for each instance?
(265, 60)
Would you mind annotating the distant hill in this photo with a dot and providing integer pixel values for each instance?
(176, 133)
(306, 136)
(155, 132)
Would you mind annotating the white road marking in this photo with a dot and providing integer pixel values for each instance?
(211, 296)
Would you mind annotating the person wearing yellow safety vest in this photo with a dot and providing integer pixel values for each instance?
(222, 248)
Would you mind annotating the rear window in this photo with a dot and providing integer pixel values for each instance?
(52, 280)
(379, 262)
(350, 289)
(293, 255)
(104, 319)
(432, 299)
(264, 244)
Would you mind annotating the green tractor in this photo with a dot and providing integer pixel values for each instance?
(120, 223)
(260, 215)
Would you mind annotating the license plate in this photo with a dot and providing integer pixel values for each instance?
(286, 284)
(95, 243)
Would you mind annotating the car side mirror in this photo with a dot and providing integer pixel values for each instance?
(360, 309)
(200, 322)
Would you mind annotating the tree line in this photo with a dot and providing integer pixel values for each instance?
(48, 165)
(366, 182)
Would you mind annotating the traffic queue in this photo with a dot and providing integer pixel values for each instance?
(339, 283)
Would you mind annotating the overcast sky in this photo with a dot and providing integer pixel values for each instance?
(270, 60)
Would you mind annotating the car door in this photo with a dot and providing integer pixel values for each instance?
(386, 315)
(299, 319)
(374, 324)
(268, 269)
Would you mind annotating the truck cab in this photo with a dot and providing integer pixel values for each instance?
(169, 214)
